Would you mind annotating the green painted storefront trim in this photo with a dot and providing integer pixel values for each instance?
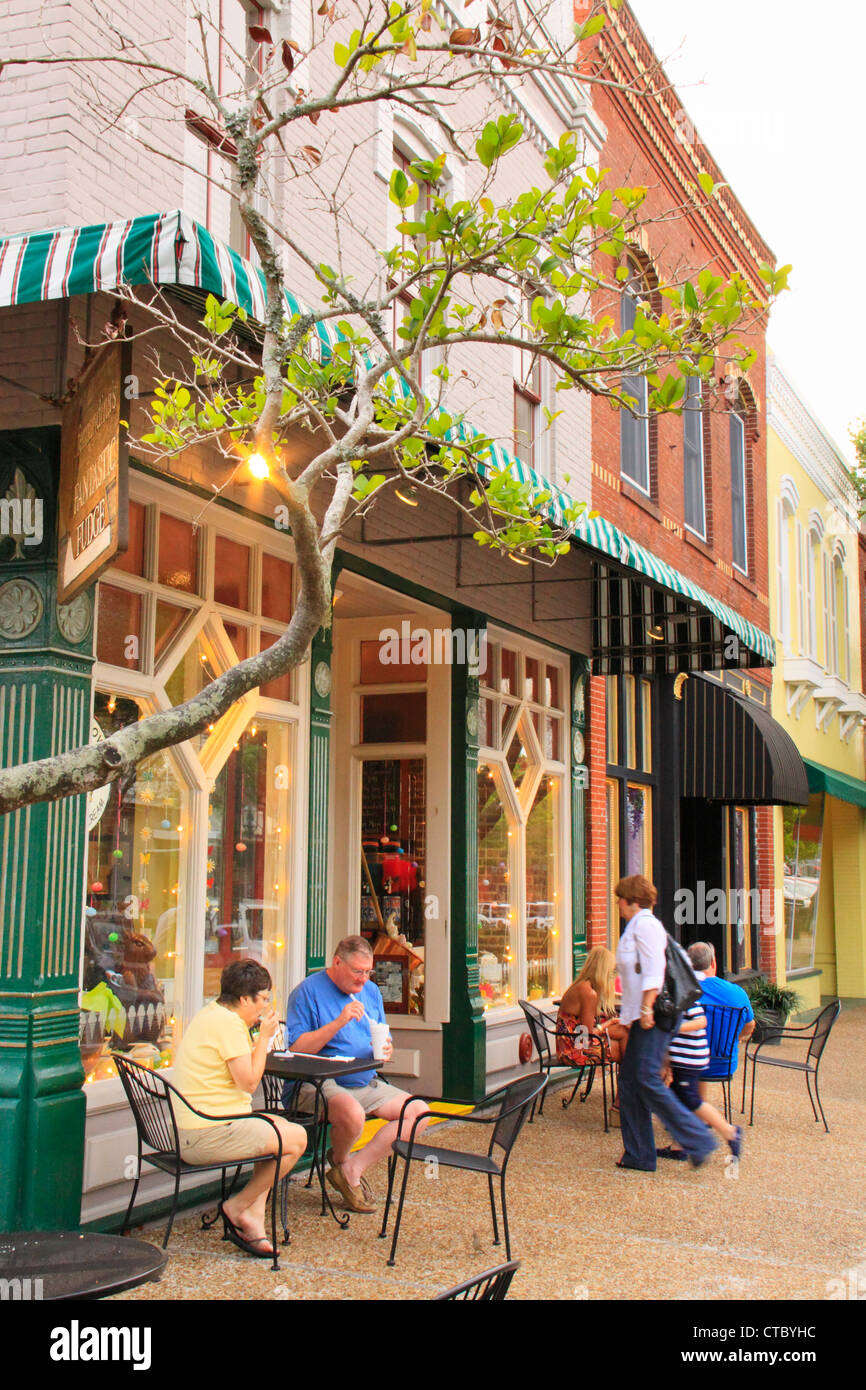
(580, 668)
(464, 1036)
(318, 797)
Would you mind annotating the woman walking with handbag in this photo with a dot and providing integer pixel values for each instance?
(640, 958)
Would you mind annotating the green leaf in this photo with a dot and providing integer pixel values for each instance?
(707, 184)
(690, 298)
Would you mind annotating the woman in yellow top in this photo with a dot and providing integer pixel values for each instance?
(217, 1069)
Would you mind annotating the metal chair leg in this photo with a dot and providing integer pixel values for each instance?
(399, 1216)
(567, 1103)
(165, 1238)
(604, 1093)
(820, 1106)
(811, 1101)
(505, 1218)
(125, 1227)
(392, 1164)
(752, 1107)
(493, 1208)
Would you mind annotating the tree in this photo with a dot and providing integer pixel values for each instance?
(540, 270)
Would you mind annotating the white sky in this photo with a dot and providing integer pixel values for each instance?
(776, 90)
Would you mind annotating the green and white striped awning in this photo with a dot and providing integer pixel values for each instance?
(170, 248)
(166, 248)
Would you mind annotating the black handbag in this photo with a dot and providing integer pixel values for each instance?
(680, 990)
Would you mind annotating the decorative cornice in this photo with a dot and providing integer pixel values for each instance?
(666, 125)
(802, 433)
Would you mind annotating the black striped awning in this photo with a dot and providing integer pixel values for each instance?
(734, 750)
(643, 628)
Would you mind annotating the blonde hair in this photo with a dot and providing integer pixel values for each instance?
(599, 971)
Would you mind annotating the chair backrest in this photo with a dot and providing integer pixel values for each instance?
(149, 1096)
(516, 1098)
(538, 1026)
(490, 1286)
(273, 1086)
(823, 1024)
(725, 1022)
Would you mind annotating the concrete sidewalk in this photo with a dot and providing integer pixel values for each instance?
(788, 1224)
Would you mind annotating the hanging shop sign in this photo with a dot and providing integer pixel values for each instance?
(93, 503)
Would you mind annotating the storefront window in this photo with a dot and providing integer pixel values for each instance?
(393, 875)
(497, 927)
(803, 836)
(638, 844)
(520, 823)
(247, 854)
(739, 894)
(541, 890)
(136, 830)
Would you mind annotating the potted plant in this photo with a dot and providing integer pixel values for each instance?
(772, 1004)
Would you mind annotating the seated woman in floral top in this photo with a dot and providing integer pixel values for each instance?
(587, 1007)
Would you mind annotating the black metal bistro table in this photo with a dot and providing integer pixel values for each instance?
(49, 1265)
(315, 1071)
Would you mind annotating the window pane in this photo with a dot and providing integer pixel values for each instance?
(487, 726)
(525, 419)
(397, 718)
(196, 669)
(231, 584)
(239, 638)
(276, 588)
(119, 633)
(803, 837)
(646, 694)
(738, 491)
(508, 677)
(382, 662)
(553, 739)
(542, 829)
(133, 559)
(393, 877)
(613, 871)
(133, 862)
(497, 923)
(551, 687)
(246, 874)
(740, 924)
(178, 554)
(531, 681)
(638, 840)
(281, 688)
(612, 708)
(634, 435)
(630, 722)
(693, 454)
(169, 621)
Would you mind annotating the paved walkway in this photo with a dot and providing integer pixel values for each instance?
(790, 1224)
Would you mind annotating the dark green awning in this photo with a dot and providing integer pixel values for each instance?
(838, 784)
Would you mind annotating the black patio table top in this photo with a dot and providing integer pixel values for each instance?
(74, 1264)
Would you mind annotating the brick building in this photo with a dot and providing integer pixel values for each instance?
(692, 489)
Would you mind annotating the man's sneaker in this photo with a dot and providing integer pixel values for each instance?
(736, 1144)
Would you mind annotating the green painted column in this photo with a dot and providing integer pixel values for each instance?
(464, 1041)
(45, 663)
(579, 787)
(318, 799)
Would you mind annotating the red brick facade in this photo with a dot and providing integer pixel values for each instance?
(651, 143)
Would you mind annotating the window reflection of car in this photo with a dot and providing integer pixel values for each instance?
(799, 890)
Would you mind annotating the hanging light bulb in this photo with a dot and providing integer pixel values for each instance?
(409, 495)
(258, 466)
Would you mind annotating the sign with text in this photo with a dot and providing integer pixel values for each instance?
(94, 512)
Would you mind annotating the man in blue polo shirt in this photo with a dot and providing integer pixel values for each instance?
(719, 991)
(330, 1014)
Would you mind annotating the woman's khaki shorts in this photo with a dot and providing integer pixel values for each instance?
(237, 1139)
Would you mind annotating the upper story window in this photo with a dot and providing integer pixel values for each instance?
(402, 158)
(695, 509)
(739, 513)
(634, 428)
(786, 506)
(528, 371)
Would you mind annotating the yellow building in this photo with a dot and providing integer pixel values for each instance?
(817, 696)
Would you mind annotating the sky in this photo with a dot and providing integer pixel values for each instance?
(779, 100)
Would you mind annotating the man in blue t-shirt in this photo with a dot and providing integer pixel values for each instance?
(329, 1014)
(719, 991)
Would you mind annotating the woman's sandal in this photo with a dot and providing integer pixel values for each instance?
(248, 1243)
(620, 1163)
(670, 1152)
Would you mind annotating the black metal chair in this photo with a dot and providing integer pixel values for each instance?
(542, 1029)
(150, 1099)
(491, 1286)
(725, 1023)
(283, 1098)
(815, 1034)
(510, 1107)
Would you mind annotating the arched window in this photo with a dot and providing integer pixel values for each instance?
(741, 415)
(694, 506)
(634, 427)
(786, 506)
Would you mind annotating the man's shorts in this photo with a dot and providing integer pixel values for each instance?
(369, 1097)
